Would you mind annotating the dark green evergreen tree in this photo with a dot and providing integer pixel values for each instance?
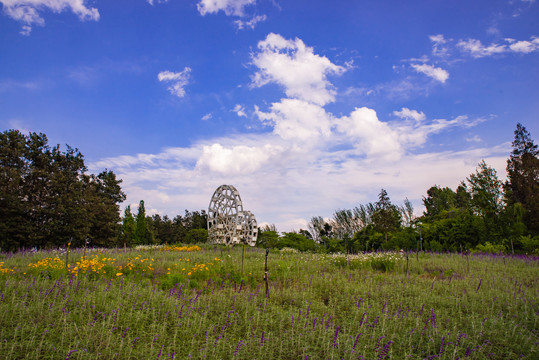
(522, 185)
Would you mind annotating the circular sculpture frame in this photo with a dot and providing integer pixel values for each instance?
(228, 223)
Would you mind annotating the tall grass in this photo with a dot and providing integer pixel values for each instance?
(199, 305)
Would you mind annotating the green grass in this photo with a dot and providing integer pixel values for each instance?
(319, 307)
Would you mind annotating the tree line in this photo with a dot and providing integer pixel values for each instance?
(48, 200)
(482, 213)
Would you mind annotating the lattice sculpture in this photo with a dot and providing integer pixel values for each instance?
(228, 223)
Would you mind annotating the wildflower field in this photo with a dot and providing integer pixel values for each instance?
(190, 302)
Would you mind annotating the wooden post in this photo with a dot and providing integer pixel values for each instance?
(266, 273)
(242, 259)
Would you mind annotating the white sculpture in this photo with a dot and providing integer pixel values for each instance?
(228, 223)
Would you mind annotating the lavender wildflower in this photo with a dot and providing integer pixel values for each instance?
(335, 336)
(69, 353)
(238, 347)
(385, 350)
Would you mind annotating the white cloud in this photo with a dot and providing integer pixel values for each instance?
(178, 80)
(241, 24)
(477, 50)
(439, 47)
(239, 110)
(236, 160)
(369, 135)
(406, 113)
(298, 120)
(229, 7)
(27, 11)
(294, 66)
(206, 117)
(436, 73)
(151, 2)
(524, 46)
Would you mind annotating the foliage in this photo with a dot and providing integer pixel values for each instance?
(48, 200)
(522, 185)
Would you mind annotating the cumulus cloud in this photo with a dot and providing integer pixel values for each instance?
(27, 11)
(298, 120)
(238, 159)
(436, 73)
(178, 81)
(524, 46)
(294, 66)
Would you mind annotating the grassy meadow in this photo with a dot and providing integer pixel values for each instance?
(189, 302)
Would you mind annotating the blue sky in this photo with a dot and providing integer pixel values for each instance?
(305, 106)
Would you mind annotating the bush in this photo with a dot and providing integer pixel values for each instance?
(490, 248)
(530, 245)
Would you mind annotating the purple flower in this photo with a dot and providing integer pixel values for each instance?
(160, 351)
(385, 350)
(238, 347)
(335, 336)
(479, 285)
(262, 339)
(69, 353)
(355, 342)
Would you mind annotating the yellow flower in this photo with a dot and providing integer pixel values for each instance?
(189, 273)
(119, 274)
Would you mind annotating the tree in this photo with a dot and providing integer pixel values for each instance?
(522, 185)
(437, 200)
(48, 200)
(128, 227)
(143, 234)
(386, 217)
(486, 201)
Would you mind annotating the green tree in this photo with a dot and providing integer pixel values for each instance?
(522, 185)
(128, 227)
(48, 200)
(486, 201)
(143, 233)
(437, 200)
(386, 217)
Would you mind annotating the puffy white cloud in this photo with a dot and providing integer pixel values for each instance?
(525, 46)
(238, 159)
(436, 73)
(369, 135)
(206, 117)
(178, 80)
(27, 11)
(298, 120)
(229, 7)
(293, 65)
